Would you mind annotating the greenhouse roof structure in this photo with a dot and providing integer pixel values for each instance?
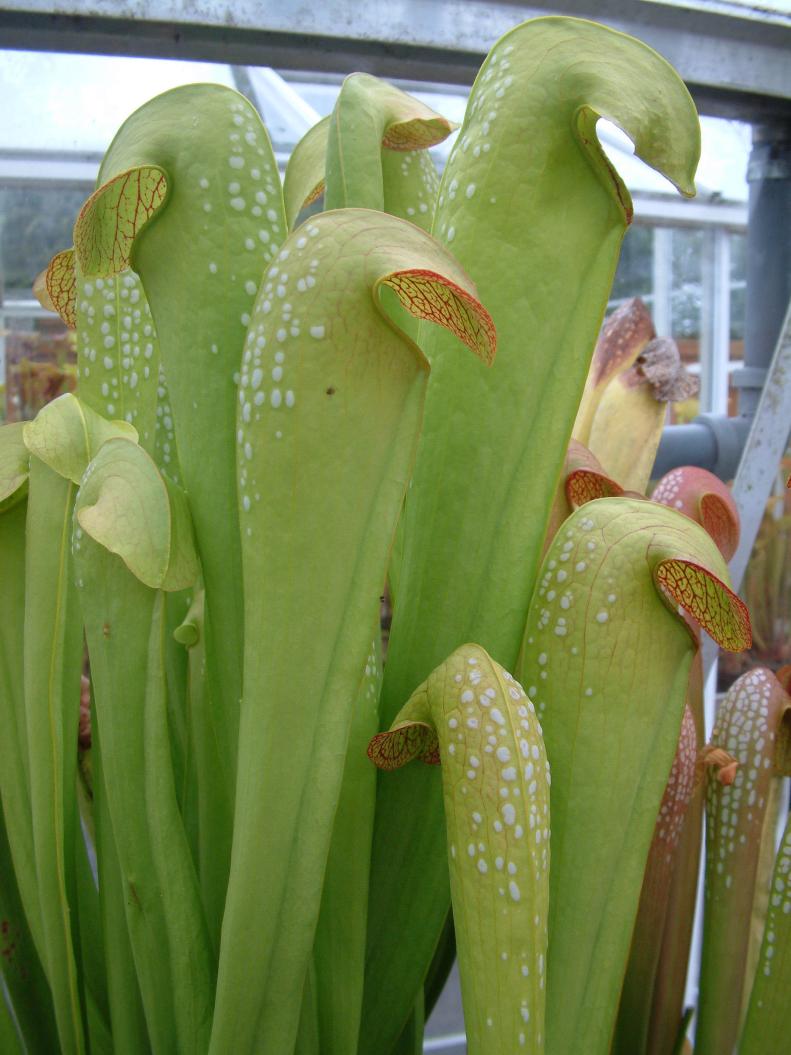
(42, 141)
(731, 53)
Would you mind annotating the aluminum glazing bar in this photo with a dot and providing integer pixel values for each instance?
(735, 62)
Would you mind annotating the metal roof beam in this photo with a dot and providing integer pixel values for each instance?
(735, 63)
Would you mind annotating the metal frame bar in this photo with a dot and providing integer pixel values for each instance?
(41, 169)
(453, 1043)
(734, 62)
(763, 450)
(715, 319)
(662, 281)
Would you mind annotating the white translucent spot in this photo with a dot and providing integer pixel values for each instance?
(509, 813)
(276, 398)
(602, 617)
(513, 890)
(289, 398)
(250, 287)
(236, 161)
(317, 332)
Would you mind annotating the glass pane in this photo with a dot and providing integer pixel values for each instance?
(38, 352)
(634, 277)
(687, 288)
(738, 290)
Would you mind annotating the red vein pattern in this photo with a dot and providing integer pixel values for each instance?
(114, 215)
(704, 498)
(417, 134)
(718, 610)
(393, 749)
(428, 295)
(61, 285)
(722, 523)
(583, 485)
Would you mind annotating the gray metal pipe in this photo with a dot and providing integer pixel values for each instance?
(768, 256)
(715, 442)
(711, 441)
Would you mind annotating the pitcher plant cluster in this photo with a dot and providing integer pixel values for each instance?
(281, 410)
